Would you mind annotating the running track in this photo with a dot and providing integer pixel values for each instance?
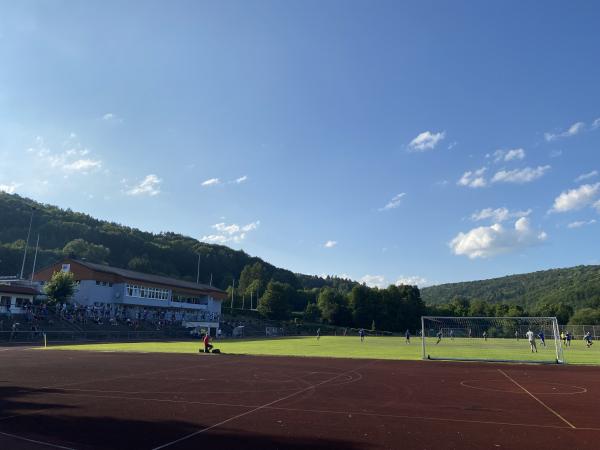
(86, 400)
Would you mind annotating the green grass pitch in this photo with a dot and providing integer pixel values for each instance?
(372, 347)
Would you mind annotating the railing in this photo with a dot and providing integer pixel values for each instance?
(69, 336)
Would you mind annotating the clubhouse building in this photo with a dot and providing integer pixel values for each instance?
(195, 305)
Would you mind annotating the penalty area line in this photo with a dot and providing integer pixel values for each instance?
(537, 399)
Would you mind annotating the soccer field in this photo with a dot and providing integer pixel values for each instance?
(371, 348)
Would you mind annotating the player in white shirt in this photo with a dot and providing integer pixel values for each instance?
(531, 337)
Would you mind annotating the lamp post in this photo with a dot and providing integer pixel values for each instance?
(27, 243)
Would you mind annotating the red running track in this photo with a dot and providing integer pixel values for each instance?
(88, 400)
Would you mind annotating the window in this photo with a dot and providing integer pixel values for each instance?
(20, 302)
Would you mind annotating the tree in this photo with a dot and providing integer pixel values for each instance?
(253, 277)
(312, 313)
(82, 249)
(460, 306)
(362, 300)
(585, 316)
(334, 307)
(140, 264)
(274, 304)
(60, 287)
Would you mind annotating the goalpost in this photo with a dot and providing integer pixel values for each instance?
(501, 339)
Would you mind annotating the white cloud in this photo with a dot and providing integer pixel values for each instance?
(330, 244)
(9, 188)
(485, 242)
(520, 176)
(596, 123)
(574, 129)
(515, 153)
(555, 153)
(148, 186)
(82, 165)
(585, 176)
(426, 141)
(230, 233)
(394, 202)
(581, 223)
(413, 280)
(597, 206)
(451, 145)
(509, 155)
(241, 179)
(69, 160)
(473, 179)
(498, 214)
(211, 182)
(373, 281)
(110, 117)
(577, 198)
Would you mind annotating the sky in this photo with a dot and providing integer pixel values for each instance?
(389, 142)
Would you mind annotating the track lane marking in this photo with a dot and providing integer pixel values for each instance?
(133, 375)
(266, 405)
(439, 419)
(537, 399)
(48, 444)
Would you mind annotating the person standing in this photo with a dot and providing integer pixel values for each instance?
(318, 334)
(588, 339)
(531, 338)
(542, 337)
(407, 336)
(361, 333)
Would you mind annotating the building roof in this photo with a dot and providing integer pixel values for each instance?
(12, 289)
(149, 278)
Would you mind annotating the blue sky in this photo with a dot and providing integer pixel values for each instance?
(419, 141)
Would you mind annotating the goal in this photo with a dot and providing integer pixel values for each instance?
(501, 339)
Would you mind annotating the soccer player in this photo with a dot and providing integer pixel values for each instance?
(318, 334)
(542, 337)
(407, 336)
(517, 335)
(361, 333)
(485, 335)
(588, 339)
(439, 336)
(531, 338)
(451, 335)
(568, 337)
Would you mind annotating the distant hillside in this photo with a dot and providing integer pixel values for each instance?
(65, 232)
(577, 286)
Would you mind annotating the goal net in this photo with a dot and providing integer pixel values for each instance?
(503, 339)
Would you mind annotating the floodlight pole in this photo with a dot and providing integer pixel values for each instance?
(27, 243)
(423, 335)
(198, 271)
(35, 257)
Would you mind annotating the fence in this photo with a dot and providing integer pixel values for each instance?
(578, 331)
(66, 337)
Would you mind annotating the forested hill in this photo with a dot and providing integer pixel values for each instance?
(67, 233)
(576, 286)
